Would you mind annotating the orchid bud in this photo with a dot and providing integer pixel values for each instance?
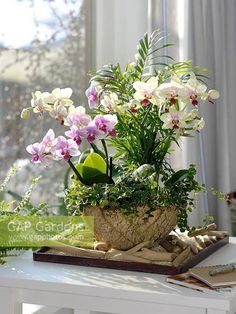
(213, 94)
(25, 114)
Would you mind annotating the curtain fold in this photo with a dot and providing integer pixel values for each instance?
(210, 43)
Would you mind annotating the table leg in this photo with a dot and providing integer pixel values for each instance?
(9, 303)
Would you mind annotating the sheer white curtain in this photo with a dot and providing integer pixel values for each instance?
(203, 31)
(206, 32)
(119, 26)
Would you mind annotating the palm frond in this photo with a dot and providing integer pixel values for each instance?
(150, 54)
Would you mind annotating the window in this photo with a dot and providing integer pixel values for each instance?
(43, 44)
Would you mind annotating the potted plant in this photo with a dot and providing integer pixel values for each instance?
(125, 179)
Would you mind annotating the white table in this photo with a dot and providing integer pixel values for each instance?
(89, 290)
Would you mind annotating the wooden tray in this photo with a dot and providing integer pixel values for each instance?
(42, 255)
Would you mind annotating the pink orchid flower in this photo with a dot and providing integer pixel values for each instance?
(92, 94)
(93, 133)
(65, 148)
(76, 134)
(42, 151)
(78, 117)
(106, 123)
(49, 140)
(39, 153)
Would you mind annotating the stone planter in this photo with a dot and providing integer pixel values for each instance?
(123, 232)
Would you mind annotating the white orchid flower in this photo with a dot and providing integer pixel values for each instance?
(198, 125)
(174, 119)
(196, 89)
(38, 102)
(80, 109)
(193, 114)
(146, 91)
(173, 90)
(59, 112)
(134, 105)
(60, 97)
(109, 102)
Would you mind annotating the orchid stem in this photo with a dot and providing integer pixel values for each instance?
(111, 180)
(94, 147)
(106, 154)
(75, 171)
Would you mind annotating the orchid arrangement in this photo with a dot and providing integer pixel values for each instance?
(135, 116)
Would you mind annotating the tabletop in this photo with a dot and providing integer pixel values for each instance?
(24, 273)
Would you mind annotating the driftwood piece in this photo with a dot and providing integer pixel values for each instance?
(217, 234)
(191, 242)
(158, 248)
(178, 241)
(129, 258)
(139, 246)
(207, 240)
(78, 251)
(183, 245)
(102, 246)
(156, 256)
(163, 263)
(112, 252)
(200, 241)
(212, 238)
(199, 247)
(170, 247)
(182, 257)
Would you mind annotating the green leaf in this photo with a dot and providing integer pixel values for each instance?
(178, 176)
(96, 162)
(79, 167)
(160, 48)
(93, 170)
(100, 178)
